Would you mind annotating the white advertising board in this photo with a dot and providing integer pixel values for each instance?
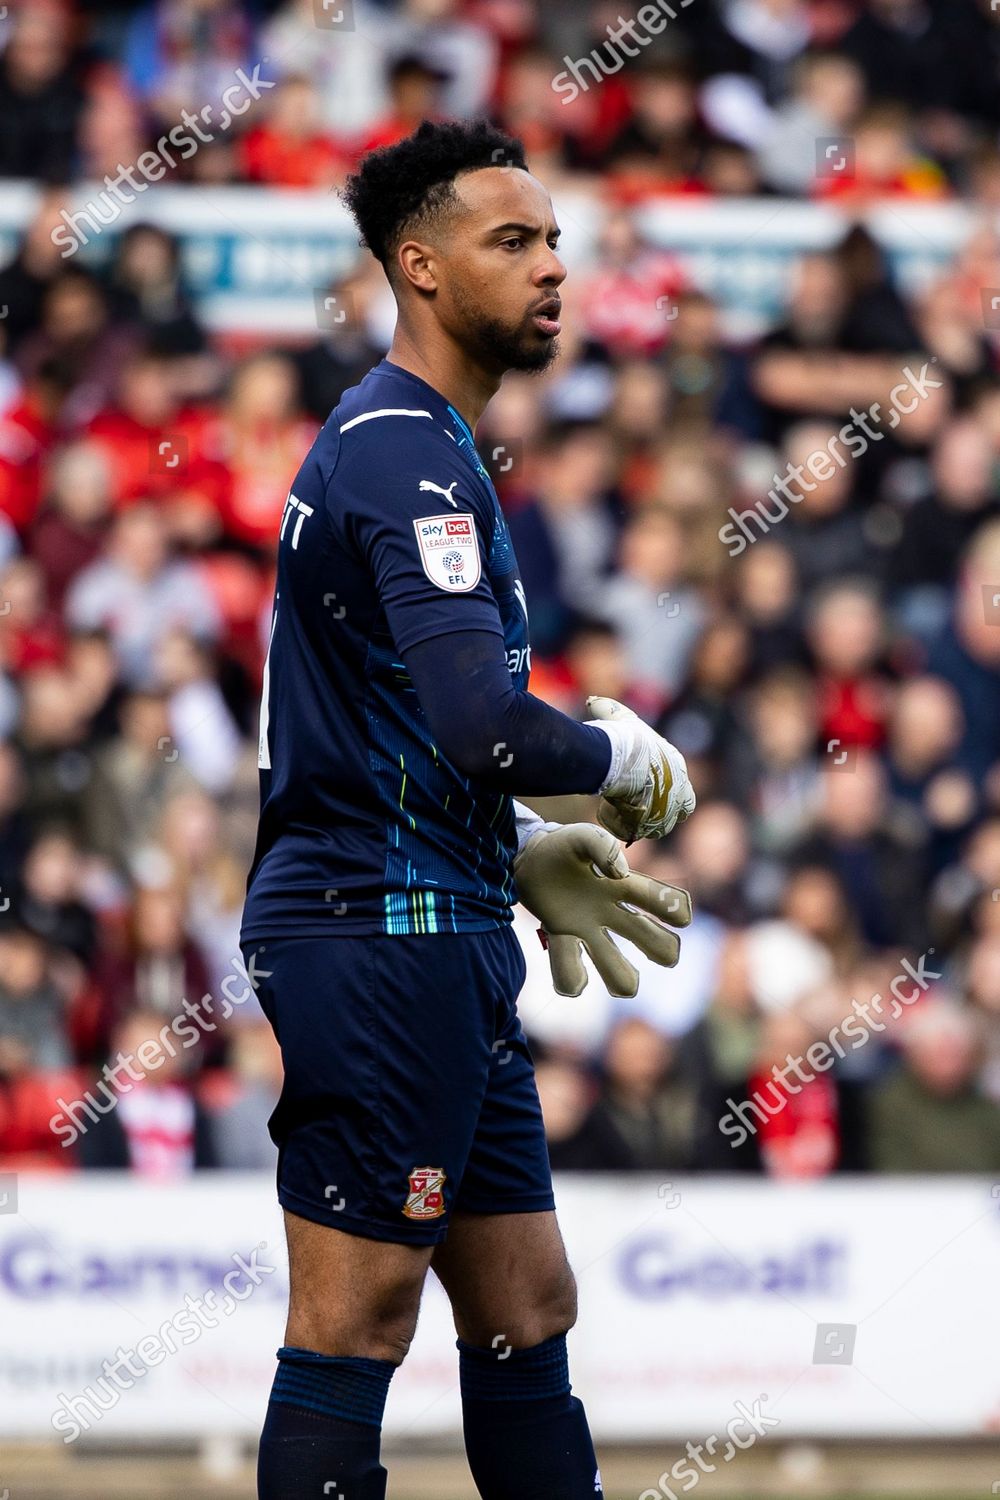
(849, 1308)
(256, 260)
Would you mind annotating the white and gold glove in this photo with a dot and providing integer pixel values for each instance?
(576, 880)
(646, 791)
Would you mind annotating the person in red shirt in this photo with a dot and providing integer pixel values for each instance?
(259, 440)
(413, 97)
(630, 302)
(154, 447)
(884, 164)
(289, 149)
(28, 432)
(31, 632)
(847, 633)
(800, 1136)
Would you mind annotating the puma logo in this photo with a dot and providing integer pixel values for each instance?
(428, 484)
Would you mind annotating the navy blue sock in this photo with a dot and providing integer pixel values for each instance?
(526, 1435)
(323, 1429)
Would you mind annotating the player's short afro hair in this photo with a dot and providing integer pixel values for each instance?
(397, 186)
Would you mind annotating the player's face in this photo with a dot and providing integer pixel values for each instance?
(499, 279)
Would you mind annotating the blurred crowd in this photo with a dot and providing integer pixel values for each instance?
(701, 96)
(826, 654)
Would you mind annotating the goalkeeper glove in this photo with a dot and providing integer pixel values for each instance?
(646, 791)
(576, 880)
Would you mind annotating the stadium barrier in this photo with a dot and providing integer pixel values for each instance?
(849, 1307)
(256, 261)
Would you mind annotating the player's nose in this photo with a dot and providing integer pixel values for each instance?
(550, 271)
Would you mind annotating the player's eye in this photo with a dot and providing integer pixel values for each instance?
(517, 240)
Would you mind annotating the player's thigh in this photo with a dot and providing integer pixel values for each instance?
(507, 1171)
(507, 1278)
(349, 1295)
(386, 1044)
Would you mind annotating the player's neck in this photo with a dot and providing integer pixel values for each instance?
(460, 380)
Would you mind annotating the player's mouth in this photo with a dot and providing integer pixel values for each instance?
(546, 317)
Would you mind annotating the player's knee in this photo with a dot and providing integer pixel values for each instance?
(378, 1326)
(391, 1340)
(560, 1307)
(354, 1334)
(553, 1308)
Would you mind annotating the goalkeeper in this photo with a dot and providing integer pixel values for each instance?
(395, 729)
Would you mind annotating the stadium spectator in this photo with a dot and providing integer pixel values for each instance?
(141, 776)
(28, 430)
(930, 1116)
(660, 148)
(346, 349)
(138, 592)
(799, 1135)
(630, 302)
(24, 279)
(40, 95)
(414, 87)
(70, 530)
(182, 53)
(157, 970)
(33, 1031)
(77, 338)
(644, 1118)
(657, 616)
(289, 148)
(49, 902)
(884, 163)
(566, 1094)
(153, 1124)
(208, 873)
(201, 726)
(878, 858)
(241, 1100)
(255, 445)
(967, 649)
(147, 288)
(925, 730)
(822, 105)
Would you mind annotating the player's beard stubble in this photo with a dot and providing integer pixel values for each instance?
(510, 347)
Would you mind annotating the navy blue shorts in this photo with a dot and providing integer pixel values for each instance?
(409, 1089)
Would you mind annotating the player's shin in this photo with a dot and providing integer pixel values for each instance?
(526, 1434)
(323, 1428)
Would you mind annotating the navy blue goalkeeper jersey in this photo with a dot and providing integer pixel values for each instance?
(392, 534)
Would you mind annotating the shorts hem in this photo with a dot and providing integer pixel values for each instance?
(537, 1203)
(365, 1229)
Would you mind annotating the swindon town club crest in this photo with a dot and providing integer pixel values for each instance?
(425, 1199)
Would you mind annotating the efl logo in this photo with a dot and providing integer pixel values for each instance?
(449, 552)
(426, 1195)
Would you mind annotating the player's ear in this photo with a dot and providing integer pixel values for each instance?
(418, 264)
